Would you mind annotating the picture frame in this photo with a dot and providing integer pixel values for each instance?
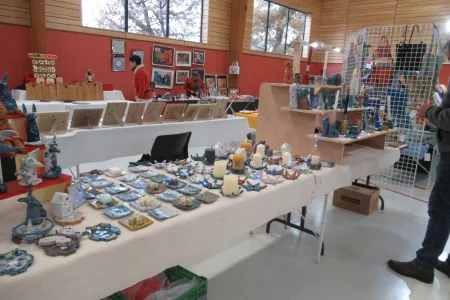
(163, 56)
(183, 58)
(118, 64)
(222, 92)
(53, 122)
(181, 76)
(114, 113)
(210, 79)
(118, 46)
(236, 92)
(199, 71)
(76, 192)
(135, 112)
(199, 57)
(163, 78)
(174, 112)
(153, 112)
(139, 53)
(222, 81)
(86, 118)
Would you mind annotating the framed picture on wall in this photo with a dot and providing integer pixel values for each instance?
(183, 58)
(210, 81)
(181, 76)
(200, 72)
(118, 64)
(163, 56)
(162, 78)
(118, 46)
(139, 53)
(199, 57)
(222, 81)
(222, 92)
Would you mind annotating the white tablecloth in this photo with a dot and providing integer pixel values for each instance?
(103, 143)
(107, 95)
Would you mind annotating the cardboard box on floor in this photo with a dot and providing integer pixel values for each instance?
(358, 198)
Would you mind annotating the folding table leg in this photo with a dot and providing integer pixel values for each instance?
(322, 227)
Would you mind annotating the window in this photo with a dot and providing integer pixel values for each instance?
(177, 19)
(276, 27)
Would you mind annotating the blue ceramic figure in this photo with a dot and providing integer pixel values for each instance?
(377, 125)
(34, 207)
(6, 96)
(51, 168)
(32, 128)
(325, 126)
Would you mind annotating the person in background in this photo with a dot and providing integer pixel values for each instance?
(194, 84)
(141, 82)
(438, 230)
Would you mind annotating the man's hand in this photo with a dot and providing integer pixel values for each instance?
(423, 110)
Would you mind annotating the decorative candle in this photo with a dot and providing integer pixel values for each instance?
(230, 185)
(188, 201)
(389, 116)
(257, 160)
(261, 149)
(220, 168)
(210, 156)
(287, 159)
(315, 159)
(238, 162)
(336, 100)
(246, 146)
(183, 201)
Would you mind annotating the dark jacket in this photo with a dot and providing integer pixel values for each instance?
(440, 117)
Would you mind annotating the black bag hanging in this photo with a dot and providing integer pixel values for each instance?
(409, 56)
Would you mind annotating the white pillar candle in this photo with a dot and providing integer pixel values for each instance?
(389, 107)
(230, 185)
(287, 159)
(220, 168)
(315, 159)
(257, 160)
(336, 100)
(261, 149)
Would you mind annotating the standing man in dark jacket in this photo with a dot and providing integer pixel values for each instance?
(141, 81)
(438, 230)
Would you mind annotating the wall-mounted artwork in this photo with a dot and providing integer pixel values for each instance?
(222, 81)
(183, 59)
(163, 78)
(118, 64)
(200, 72)
(199, 57)
(210, 81)
(181, 76)
(139, 53)
(118, 47)
(163, 56)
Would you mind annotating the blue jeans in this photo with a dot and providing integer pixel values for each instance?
(438, 229)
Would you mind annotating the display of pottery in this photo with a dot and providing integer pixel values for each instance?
(136, 222)
(103, 232)
(32, 130)
(186, 203)
(27, 165)
(15, 262)
(51, 168)
(64, 212)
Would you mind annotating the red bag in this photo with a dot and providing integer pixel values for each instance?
(383, 50)
(381, 75)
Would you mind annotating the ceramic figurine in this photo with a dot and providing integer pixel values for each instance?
(15, 262)
(35, 209)
(290, 176)
(10, 140)
(52, 170)
(288, 72)
(6, 96)
(33, 136)
(27, 171)
(271, 179)
(325, 126)
(64, 212)
(377, 124)
(220, 150)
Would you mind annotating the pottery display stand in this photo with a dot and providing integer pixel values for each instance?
(278, 124)
(114, 113)
(199, 112)
(174, 112)
(50, 123)
(153, 112)
(86, 118)
(134, 113)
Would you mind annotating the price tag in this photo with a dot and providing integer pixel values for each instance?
(382, 107)
(413, 114)
(427, 157)
(402, 138)
(369, 65)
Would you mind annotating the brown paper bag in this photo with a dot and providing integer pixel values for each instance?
(61, 92)
(45, 93)
(92, 95)
(37, 91)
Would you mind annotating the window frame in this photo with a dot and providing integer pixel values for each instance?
(287, 25)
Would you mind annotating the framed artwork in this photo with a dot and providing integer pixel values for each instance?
(181, 76)
(163, 56)
(233, 92)
(118, 64)
(222, 81)
(199, 57)
(183, 59)
(162, 78)
(200, 72)
(76, 191)
(222, 92)
(139, 53)
(210, 81)
(118, 46)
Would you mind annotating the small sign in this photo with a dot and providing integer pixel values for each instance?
(43, 65)
(402, 138)
(413, 114)
(427, 157)
(382, 107)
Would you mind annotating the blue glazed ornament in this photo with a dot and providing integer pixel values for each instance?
(32, 127)
(51, 168)
(6, 96)
(35, 209)
(15, 262)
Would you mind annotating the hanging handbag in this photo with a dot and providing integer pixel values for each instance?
(433, 61)
(382, 69)
(234, 68)
(383, 50)
(409, 56)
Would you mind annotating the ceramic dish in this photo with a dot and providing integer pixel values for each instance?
(240, 191)
(189, 190)
(174, 184)
(178, 204)
(160, 165)
(144, 208)
(89, 196)
(163, 213)
(207, 197)
(148, 174)
(161, 188)
(100, 183)
(171, 168)
(273, 170)
(125, 222)
(138, 184)
(114, 176)
(117, 212)
(197, 179)
(127, 178)
(62, 250)
(254, 186)
(212, 185)
(97, 205)
(159, 178)
(112, 190)
(89, 178)
(138, 169)
(84, 187)
(129, 196)
(15, 262)
(169, 196)
(103, 232)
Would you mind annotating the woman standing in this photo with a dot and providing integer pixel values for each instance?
(194, 84)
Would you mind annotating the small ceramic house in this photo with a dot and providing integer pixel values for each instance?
(62, 204)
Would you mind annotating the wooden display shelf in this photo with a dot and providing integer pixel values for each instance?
(323, 111)
(343, 140)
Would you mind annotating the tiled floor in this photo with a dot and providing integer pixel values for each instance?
(281, 265)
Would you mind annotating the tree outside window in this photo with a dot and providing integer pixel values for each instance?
(276, 27)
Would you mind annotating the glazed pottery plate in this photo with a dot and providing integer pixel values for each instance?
(125, 222)
(159, 178)
(163, 213)
(84, 187)
(100, 183)
(112, 190)
(207, 197)
(174, 184)
(148, 174)
(161, 188)
(143, 208)
(189, 190)
(195, 204)
(127, 178)
(169, 196)
(90, 178)
(63, 250)
(139, 184)
(96, 204)
(122, 173)
(15, 262)
(117, 212)
(233, 195)
(103, 232)
(129, 196)
(138, 169)
(89, 196)
(197, 179)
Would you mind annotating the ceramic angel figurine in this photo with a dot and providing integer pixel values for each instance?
(51, 168)
(27, 165)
